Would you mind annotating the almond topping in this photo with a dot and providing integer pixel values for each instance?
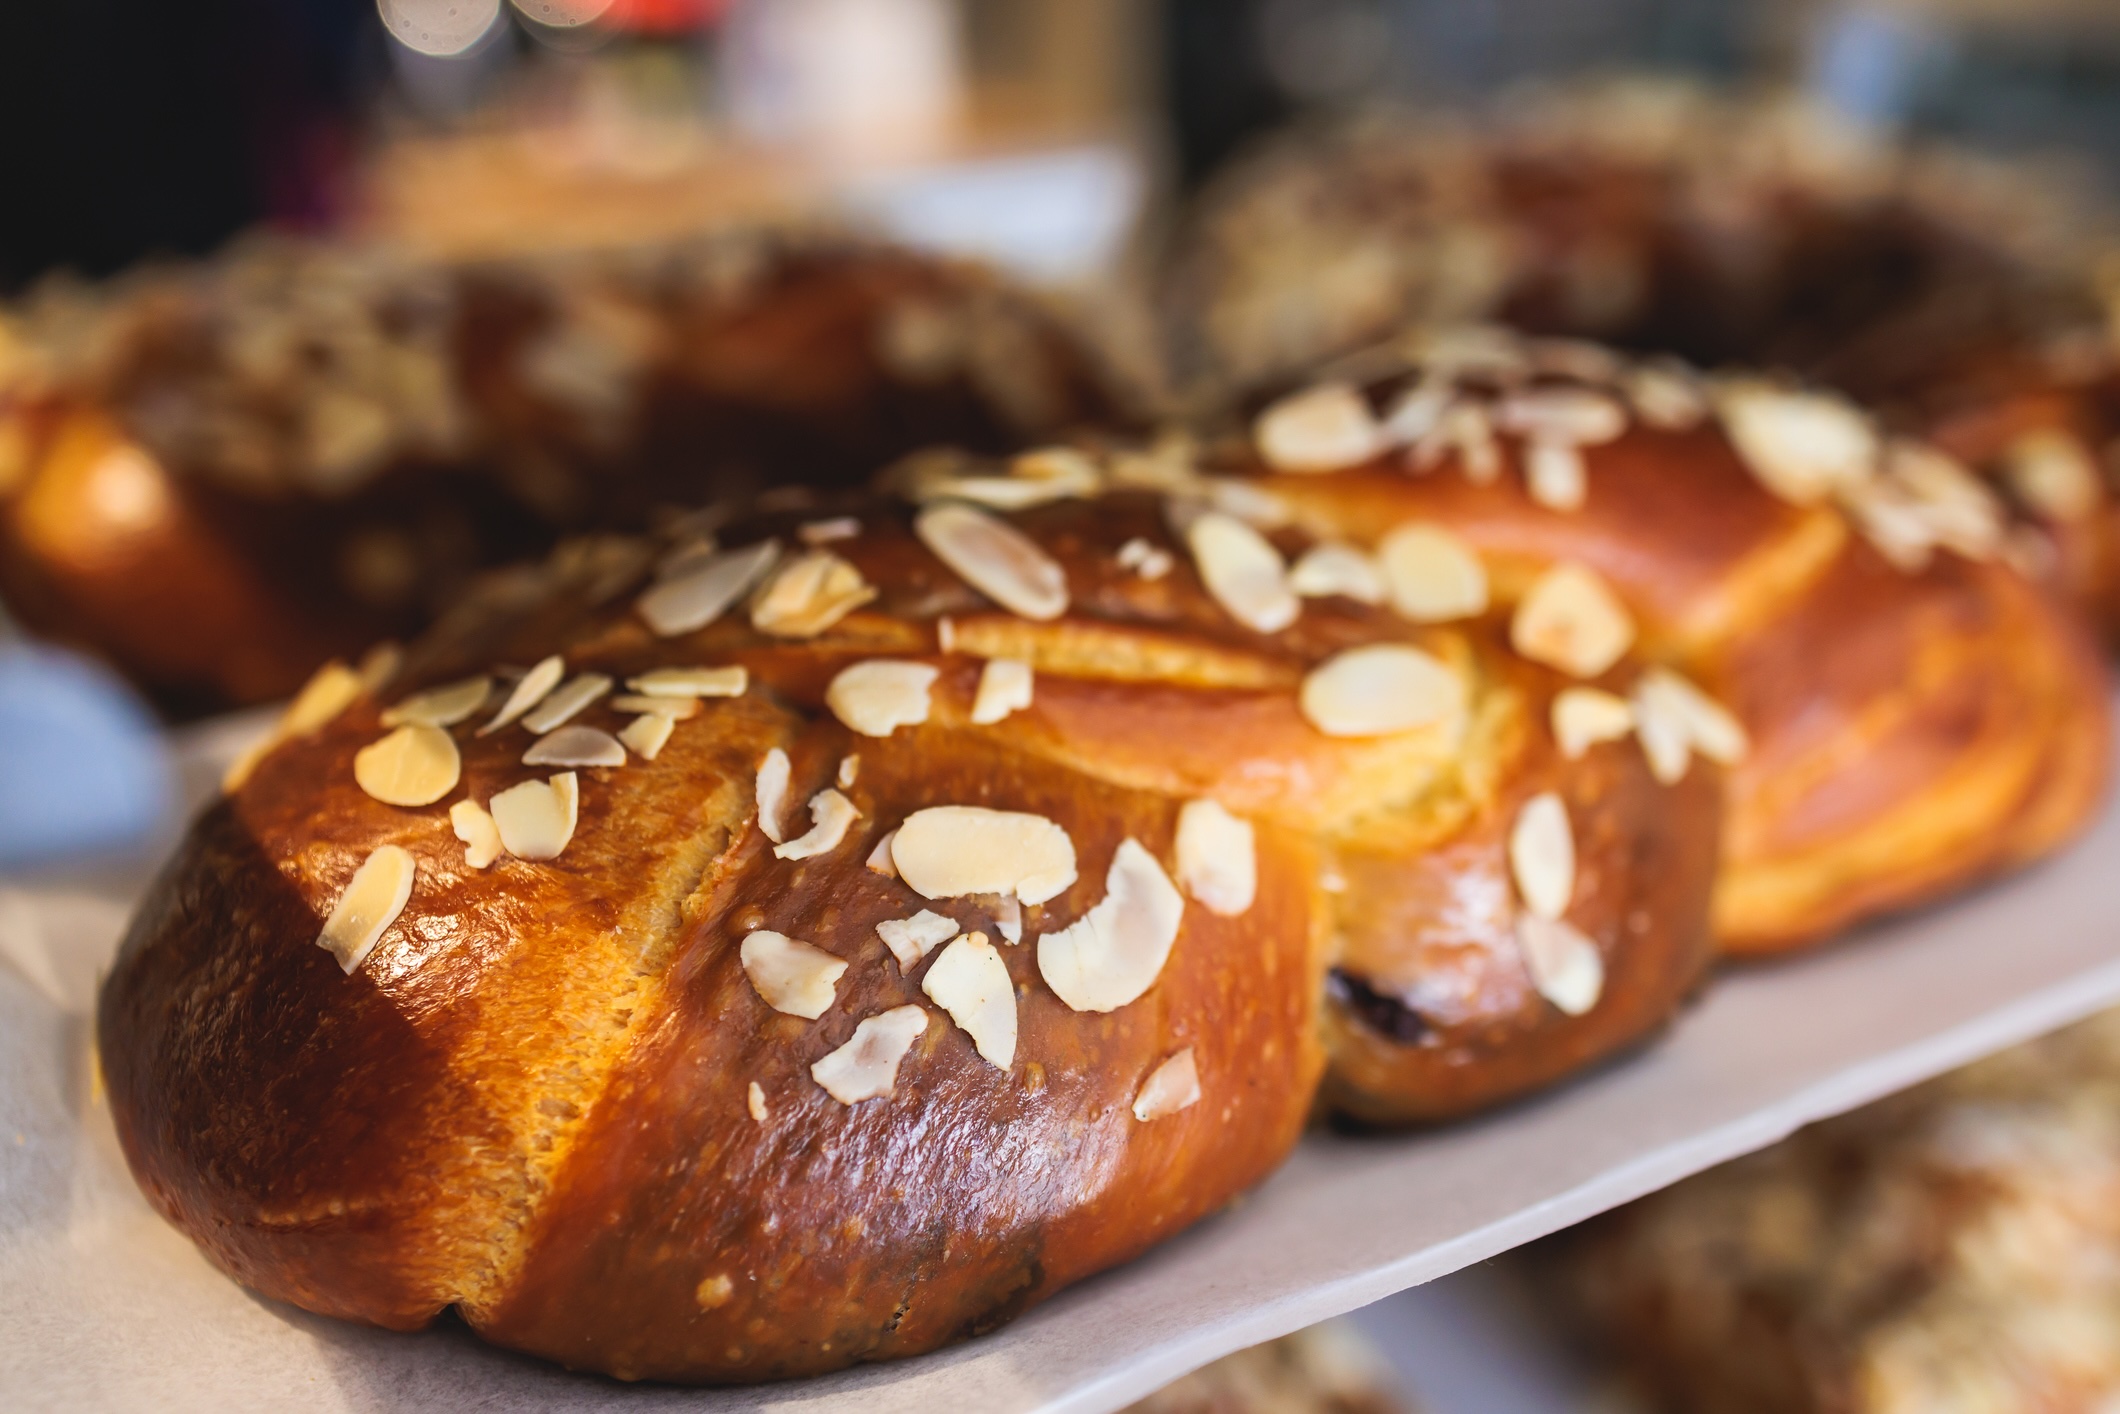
(440, 706)
(1319, 429)
(481, 837)
(1802, 446)
(1148, 561)
(911, 939)
(411, 766)
(971, 983)
(1217, 858)
(1465, 429)
(947, 851)
(1243, 572)
(995, 558)
(1963, 514)
(1334, 568)
(1170, 1087)
(1677, 718)
(1565, 966)
(646, 734)
(866, 1067)
(2052, 474)
(1570, 620)
(1114, 953)
(1418, 410)
(1584, 716)
(826, 532)
(772, 793)
(830, 815)
(1666, 394)
(881, 695)
(849, 768)
(566, 701)
(880, 860)
(371, 902)
(706, 588)
(329, 691)
(677, 709)
(1431, 575)
(1381, 688)
(1555, 476)
(1008, 917)
(576, 746)
(528, 692)
(536, 819)
(755, 1102)
(1565, 416)
(691, 682)
(1004, 687)
(790, 975)
(1664, 741)
(1542, 855)
(809, 594)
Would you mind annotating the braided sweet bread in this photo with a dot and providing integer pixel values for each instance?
(844, 925)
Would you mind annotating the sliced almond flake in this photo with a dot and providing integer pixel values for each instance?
(410, 766)
(1542, 855)
(1894, 523)
(677, 709)
(880, 860)
(1575, 358)
(1172, 1086)
(707, 589)
(685, 557)
(1217, 858)
(755, 1102)
(880, 695)
(849, 769)
(947, 851)
(329, 691)
(1485, 350)
(1334, 568)
(911, 939)
(1243, 572)
(1008, 917)
(1058, 470)
(946, 634)
(1035, 478)
(1568, 416)
(790, 975)
(527, 693)
(1248, 501)
(971, 982)
(646, 735)
(1570, 620)
(1565, 966)
(1710, 728)
(1667, 395)
(576, 746)
(481, 837)
(1380, 688)
(1585, 716)
(1801, 446)
(2052, 473)
(827, 532)
(566, 702)
(536, 819)
(371, 901)
(830, 815)
(1465, 429)
(772, 793)
(730, 681)
(1963, 514)
(1004, 687)
(994, 558)
(1430, 575)
(1665, 742)
(866, 1067)
(440, 706)
(808, 594)
(1148, 561)
(1418, 411)
(1319, 429)
(1112, 954)
(379, 667)
(1555, 475)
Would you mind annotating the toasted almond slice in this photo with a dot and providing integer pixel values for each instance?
(1584, 716)
(1004, 687)
(881, 695)
(329, 691)
(1464, 428)
(947, 851)
(1576, 417)
(2053, 474)
(755, 1102)
(1664, 738)
(1217, 858)
(646, 735)
(830, 815)
(1034, 478)
(576, 746)
(1570, 620)
(692, 682)
(440, 706)
(911, 939)
(677, 709)
(1555, 476)
(1248, 501)
(1172, 1086)
(880, 860)
(527, 693)
(1565, 966)
(808, 594)
(411, 766)
(1710, 728)
(849, 769)
(995, 558)
(790, 975)
(1114, 953)
(827, 532)
(772, 793)
(1431, 575)
(1803, 447)
(1542, 855)
(1333, 568)
(566, 702)
(686, 556)
(1963, 514)
(1418, 410)
(1380, 688)
(1666, 394)
(1574, 358)
(1319, 429)
(1243, 572)
(1896, 524)
(481, 837)
(1148, 561)
(378, 668)
(866, 1067)
(1008, 917)
(706, 588)
(971, 983)
(371, 901)
(536, 819)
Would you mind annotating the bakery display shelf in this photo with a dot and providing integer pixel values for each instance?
(102, 1306)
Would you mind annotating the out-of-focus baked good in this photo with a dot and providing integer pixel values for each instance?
(1950, 1250)
(220, 475)
(1326, 1369)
